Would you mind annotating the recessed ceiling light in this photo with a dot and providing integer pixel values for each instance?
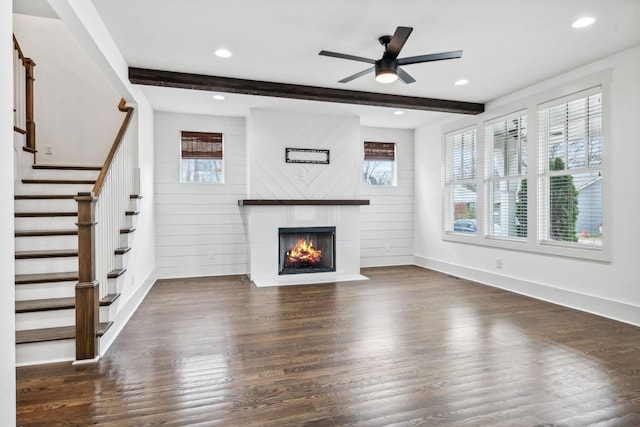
(218, 97)
(461, 82)
(223, 53)
(398, 113)
(583, 22)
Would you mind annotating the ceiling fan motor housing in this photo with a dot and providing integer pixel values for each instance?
(385, 66)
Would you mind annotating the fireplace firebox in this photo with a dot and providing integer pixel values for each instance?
(307, 250)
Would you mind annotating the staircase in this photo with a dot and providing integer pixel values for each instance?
(46, 252)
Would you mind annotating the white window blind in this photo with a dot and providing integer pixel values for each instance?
(201, 157)
(460, 181)
(570, 170)
(506, 176)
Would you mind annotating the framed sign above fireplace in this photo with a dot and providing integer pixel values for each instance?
(307, 155)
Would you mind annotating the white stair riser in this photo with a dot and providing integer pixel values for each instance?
(46, 290)
(134, 205)
(45, 352)
(126, 239)
(64, 174)
(41, 243)
(115, 285)
(53, 188)
(108, 313)
(122, 260)
(45, 319)
(46, 265)
(46, 205)
(46, 223)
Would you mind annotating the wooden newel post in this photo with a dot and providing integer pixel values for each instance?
(87, 291)
(30, 123)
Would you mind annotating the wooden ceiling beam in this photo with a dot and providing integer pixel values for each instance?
(282, 90)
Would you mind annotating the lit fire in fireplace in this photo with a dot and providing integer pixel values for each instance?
(303, 254)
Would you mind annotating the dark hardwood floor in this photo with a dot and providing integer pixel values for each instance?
(410, 347)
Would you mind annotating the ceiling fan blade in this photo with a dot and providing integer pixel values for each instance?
(345, 56)
(397, 42)
(405, 77)
(430, 58)
(356, 75)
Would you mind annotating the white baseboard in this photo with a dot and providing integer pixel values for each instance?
(615, 310)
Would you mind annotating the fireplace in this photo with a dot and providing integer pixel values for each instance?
(306, 250)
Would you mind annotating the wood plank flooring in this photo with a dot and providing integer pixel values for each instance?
(409, 347)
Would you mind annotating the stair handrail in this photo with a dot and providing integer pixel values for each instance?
(23, 78)
(97, 187)
(99, 233)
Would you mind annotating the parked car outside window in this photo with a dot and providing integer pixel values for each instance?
(465, 225)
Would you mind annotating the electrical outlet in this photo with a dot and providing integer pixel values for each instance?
(387, 247)
(48, 149)
(212, 254)
(499, 262)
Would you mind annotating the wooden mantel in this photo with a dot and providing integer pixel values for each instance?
(304, 202)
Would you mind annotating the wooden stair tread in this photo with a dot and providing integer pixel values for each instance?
(114, 274)
(123, 250)
(45, 305)
(31, 233)
(102, 328)
(69, 167)
(44, 214)
(26, 279)
(135, 196)
(55, 334)
(127, 230)
(54, 253)
(46, 334)
(43, 196)
(109, 299)
(58, 181)
(131, 213)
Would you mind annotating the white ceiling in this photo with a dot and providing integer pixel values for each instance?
(507, 44)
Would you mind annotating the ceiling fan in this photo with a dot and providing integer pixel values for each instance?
(387, 68)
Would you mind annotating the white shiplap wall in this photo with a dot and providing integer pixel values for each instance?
(194, 219)
(386, 225)
(271, 132)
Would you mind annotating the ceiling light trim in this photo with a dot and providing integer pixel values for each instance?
(282, 90)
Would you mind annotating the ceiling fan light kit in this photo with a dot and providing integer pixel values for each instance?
(386, 71)
(386, 68)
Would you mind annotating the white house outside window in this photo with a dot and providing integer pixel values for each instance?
(460, 181)
(201, 157)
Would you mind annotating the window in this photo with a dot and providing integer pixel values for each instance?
(570, 170)
(506, 176)
(460, 181)
(379, 166)
(201, 157)
(541, 174)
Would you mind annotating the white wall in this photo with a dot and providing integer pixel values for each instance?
(610, 289)
(193, 219)
(386, 225)
(7, 262)
(82, 118)
(270, 132)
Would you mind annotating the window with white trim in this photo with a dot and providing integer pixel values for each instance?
(506, 176)
(201, 157)
(379, 165)
(460, 181)
(570, 170)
